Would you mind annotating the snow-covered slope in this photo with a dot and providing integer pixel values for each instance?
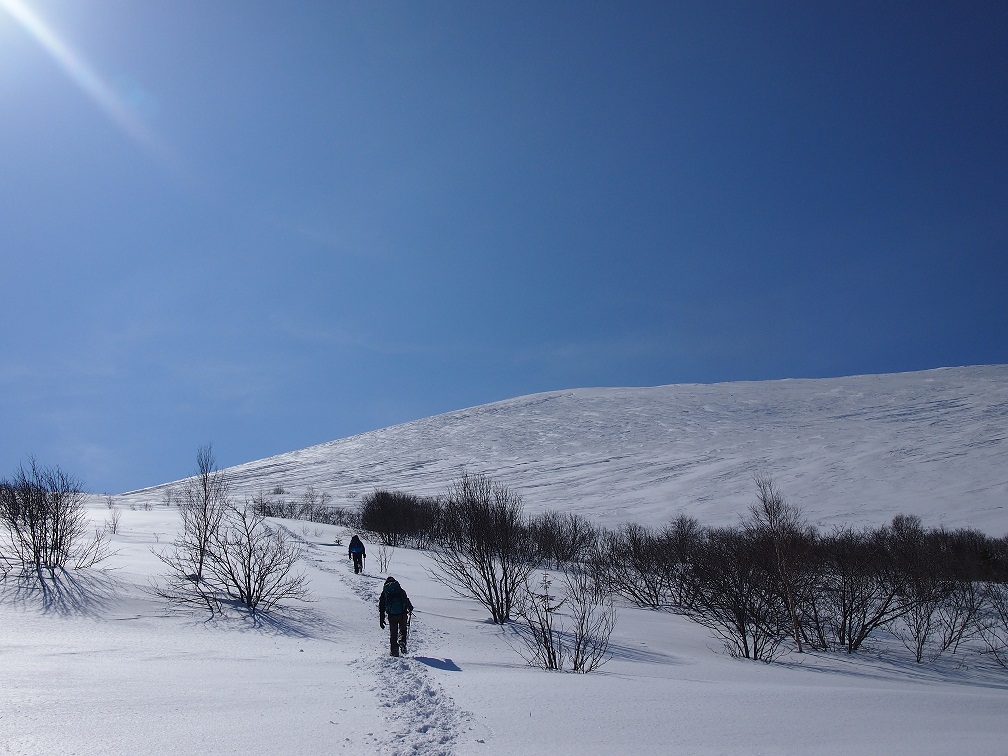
(95, 663)
(851, 450)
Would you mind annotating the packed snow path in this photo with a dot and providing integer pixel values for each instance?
(422, 719)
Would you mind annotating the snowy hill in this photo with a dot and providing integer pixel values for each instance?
(96, 662)
(851, 450)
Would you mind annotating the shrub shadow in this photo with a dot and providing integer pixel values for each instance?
(59, 591)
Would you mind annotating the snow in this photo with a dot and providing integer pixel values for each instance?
(853, 450)
(97, 664)
(106, 668)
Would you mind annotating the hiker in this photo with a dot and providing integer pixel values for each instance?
(357, 553)
(396, 604)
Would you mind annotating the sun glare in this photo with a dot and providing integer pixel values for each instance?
(80, 73)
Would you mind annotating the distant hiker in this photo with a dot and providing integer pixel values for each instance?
(357, 553)
(396, 604)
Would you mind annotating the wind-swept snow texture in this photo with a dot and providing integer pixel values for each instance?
(853, 450)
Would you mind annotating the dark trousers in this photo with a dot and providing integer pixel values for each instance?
(358, 562)
(397, 632)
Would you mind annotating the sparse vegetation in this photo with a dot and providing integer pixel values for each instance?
(770, 585)
(483, 549)
(42, 511)
(226, 552)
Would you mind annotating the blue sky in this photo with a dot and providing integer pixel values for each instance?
(267, 225)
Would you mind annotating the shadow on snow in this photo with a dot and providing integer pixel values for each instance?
(59, 591)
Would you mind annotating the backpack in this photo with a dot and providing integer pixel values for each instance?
(356, 547)
(395, 598)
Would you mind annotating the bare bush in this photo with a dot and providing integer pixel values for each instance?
(593, 619)
(549, 642)
(312, 507)
(921, 577)
(112, 523)
(677, 545)
(653, 568)
(993, 622)
(781, 527)
(541, 632)
(736, 596)
(483, 550)
(205, 497)
(252, 563)
(384, 557)
(863, 585)
(632, 561)
(398, 518)
(42, 510)
(224, 552)
(562, 538)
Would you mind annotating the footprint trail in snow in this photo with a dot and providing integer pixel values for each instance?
(423, 720)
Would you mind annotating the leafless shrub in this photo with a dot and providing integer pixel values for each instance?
(548, 642)
(562, 538)
(397, 518)
(203, 502)
(384, 556)
(593, 619)
(93, 551)
(862, 585)
(312, 507)
(923, 588)
(780, 527)
(993, 623)
(483, 550)
(252, 563)
(636, 568)
(205, 498)
(227, 553)
(736, 597)
(112, 523)
(677, 546)
(42, 511)
(541, 633)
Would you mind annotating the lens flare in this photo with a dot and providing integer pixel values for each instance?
(82, 74)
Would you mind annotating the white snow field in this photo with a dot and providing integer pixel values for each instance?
(94, 663)
(846, 450)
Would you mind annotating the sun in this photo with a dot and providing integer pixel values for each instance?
(79, 71)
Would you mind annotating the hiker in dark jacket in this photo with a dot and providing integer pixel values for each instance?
(396, 604)
(357, 553)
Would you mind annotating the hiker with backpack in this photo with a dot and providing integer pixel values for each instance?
(396, 604)
(357, 553)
